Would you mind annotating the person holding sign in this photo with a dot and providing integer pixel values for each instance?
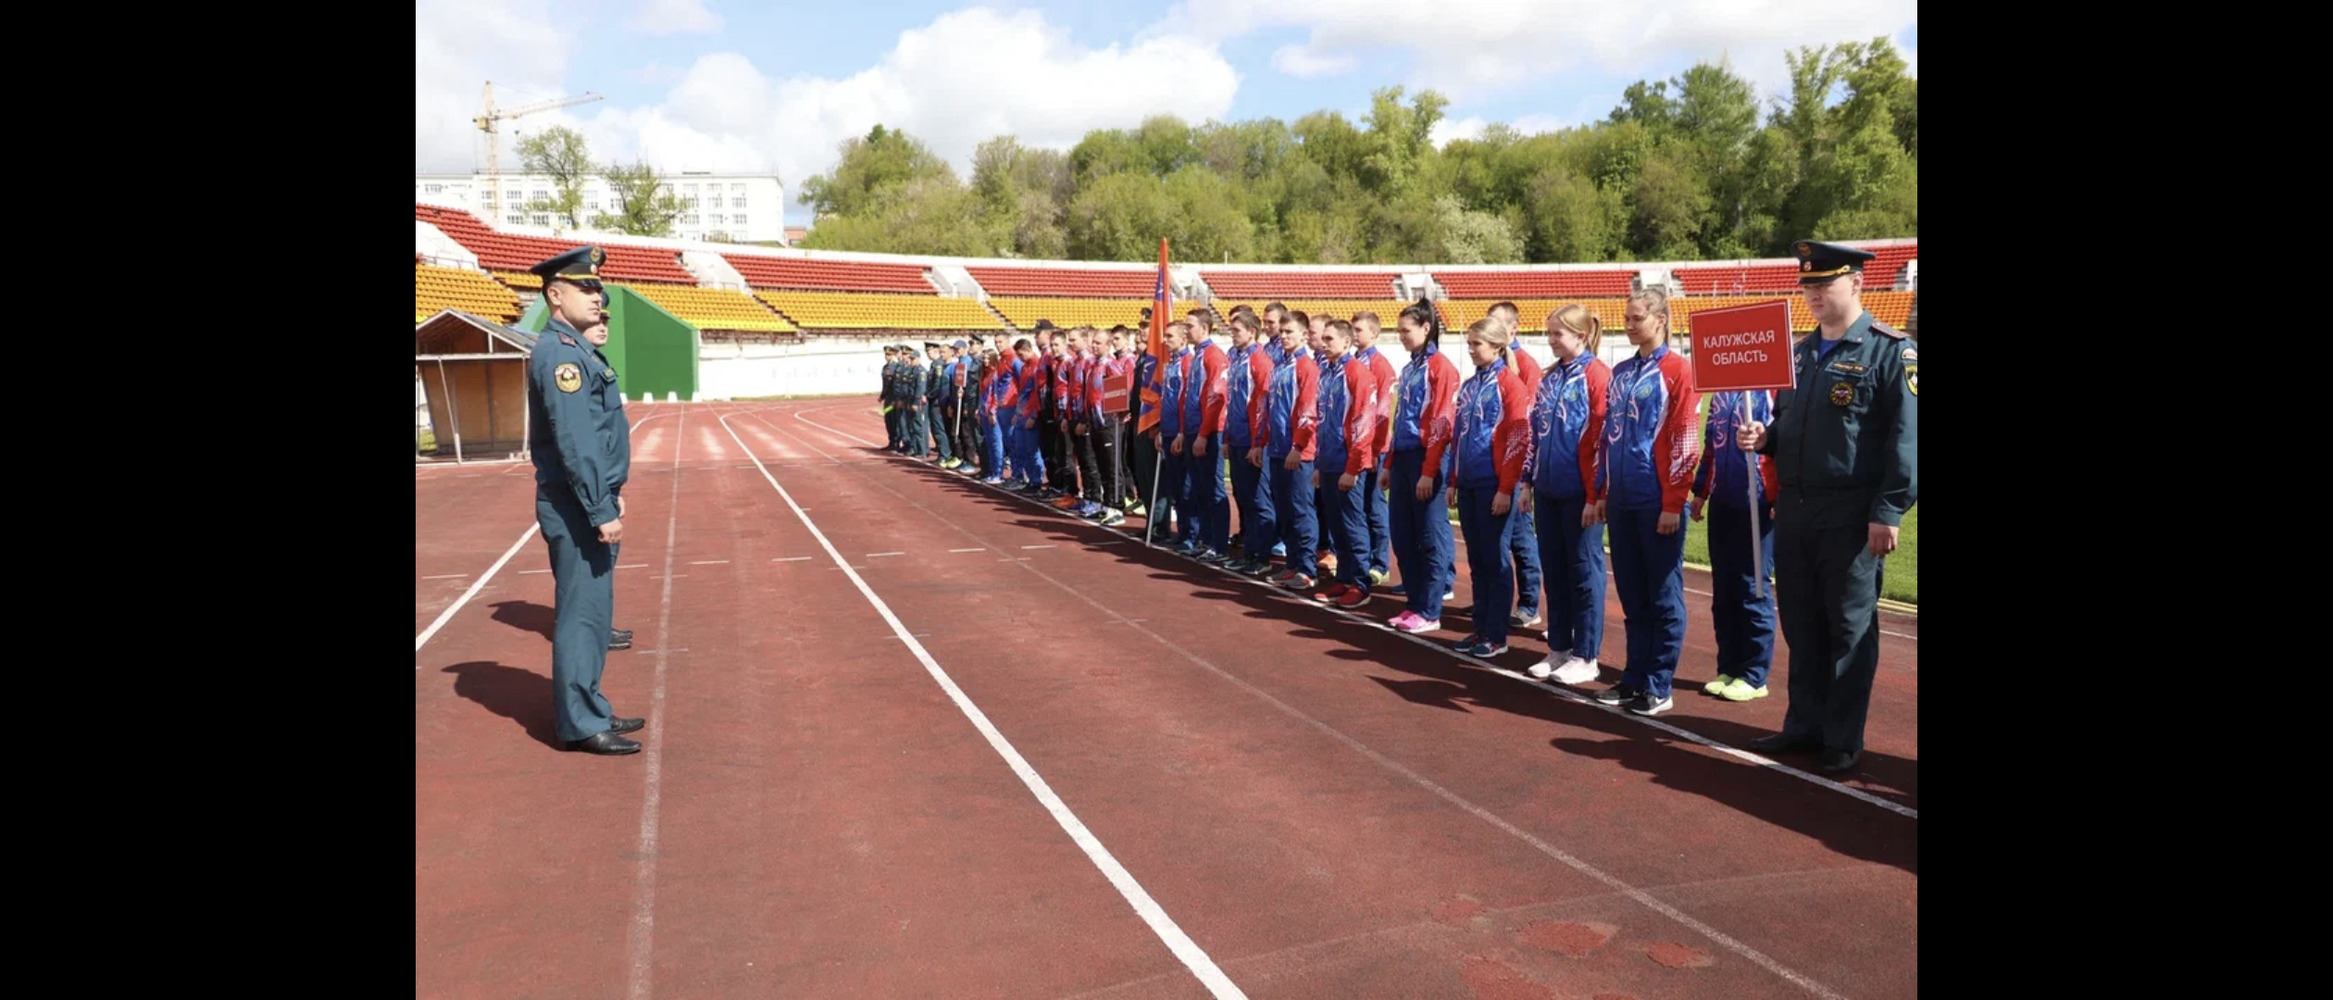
(1651, 443)
(1845, 443)
(1741, 595)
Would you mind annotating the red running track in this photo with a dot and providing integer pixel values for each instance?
(1322, 808)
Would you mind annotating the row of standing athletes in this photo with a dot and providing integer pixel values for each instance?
(1337, 458)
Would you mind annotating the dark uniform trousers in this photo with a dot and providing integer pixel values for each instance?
(580, 444)
(1826, 582)
(1845, 445)
(1142, 461)
(890, 416)
(963, 419)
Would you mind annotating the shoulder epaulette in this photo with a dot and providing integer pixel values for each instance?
(1883, 330)
(570, 341)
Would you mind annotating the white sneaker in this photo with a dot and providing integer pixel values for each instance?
(1576, 671)
(1544, 669)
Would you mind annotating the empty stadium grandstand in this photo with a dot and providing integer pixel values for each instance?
(762, 313)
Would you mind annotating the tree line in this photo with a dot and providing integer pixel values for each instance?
(1683, 169)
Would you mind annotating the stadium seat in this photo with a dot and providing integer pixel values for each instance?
(1269, 285)
(832, 275)
(1507, 285)
(1062, 281)
(440, 288)
(714, 308)
(879, 311)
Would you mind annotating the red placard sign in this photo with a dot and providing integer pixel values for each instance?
(1742, 347)
(1114, 390)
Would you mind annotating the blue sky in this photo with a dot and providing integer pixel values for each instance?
(722, 85)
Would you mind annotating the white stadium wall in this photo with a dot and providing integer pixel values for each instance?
(831, 367)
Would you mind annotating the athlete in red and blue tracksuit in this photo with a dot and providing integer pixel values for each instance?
(1492, 433)
(1380, 551)
(1103, 435)
(1246, 387)
(1651, 442)
(1347, 454)
(1740, 611)
(994, 397)
(1204, 394)
(1522, 540)
(1422, 425)
(1291, 424)
(1175, 476)
(1567, 438)
(1028, 395)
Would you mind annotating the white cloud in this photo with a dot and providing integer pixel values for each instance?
(674, 17)
(459, 45)
(1469, 49)
(966, 77)
(1449, 130)
(1298, 60)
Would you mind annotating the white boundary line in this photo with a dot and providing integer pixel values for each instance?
(1564, 692)
(642, 939)
(448, 614)
(475, 586)
(1616, 884)
(1164, 926)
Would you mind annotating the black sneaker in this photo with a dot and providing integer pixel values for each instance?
(1643, 704)
(1615, 695)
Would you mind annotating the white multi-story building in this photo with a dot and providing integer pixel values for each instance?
(744, 208)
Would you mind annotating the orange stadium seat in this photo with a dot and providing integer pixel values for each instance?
(505, 252)
(1271, 285)
(1062, 281)
(1506, 285)
(832, 275)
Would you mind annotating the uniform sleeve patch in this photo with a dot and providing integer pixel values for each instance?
(569, 376)
(1912, 378)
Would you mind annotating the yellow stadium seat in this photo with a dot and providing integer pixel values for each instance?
(714, 308)
(879, 311)
(439, 288)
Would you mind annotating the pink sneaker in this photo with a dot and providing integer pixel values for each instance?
(1402, 620)
(1417, 624)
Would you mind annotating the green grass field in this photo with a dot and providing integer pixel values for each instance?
(1902, 582)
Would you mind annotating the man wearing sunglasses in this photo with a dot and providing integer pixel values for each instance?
(582, 451)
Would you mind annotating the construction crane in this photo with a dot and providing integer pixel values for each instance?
(487, 122)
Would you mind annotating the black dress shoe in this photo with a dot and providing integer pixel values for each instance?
(621, 634)
(1839, 760)
(604, 743)
(620, 726)
(1781, 742)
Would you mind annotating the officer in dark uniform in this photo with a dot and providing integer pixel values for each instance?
(911, 398)
(890, 412)
(582, 451)
(1846, 449)
(936, 396)
(965, 388)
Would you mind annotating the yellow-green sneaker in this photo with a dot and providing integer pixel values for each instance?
(1740, 690)
(1717, 686)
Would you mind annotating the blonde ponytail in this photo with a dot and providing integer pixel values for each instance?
(1491, 330)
